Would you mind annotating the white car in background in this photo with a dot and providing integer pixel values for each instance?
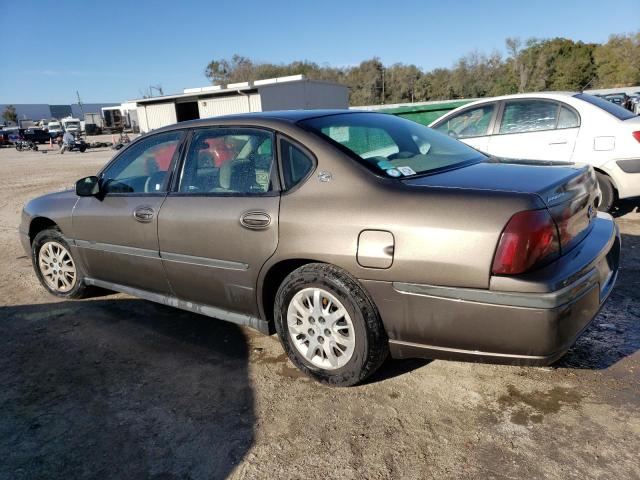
(573, 127)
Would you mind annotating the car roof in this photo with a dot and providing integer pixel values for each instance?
(291, 116)
(549, 95)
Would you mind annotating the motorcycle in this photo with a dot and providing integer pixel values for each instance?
(25, 145)
(78, 145)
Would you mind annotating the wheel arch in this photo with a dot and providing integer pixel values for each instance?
(272, 278)
(39, 224)
(613, 182)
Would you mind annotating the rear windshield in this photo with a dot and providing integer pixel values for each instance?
(616, 110)
(391, 145)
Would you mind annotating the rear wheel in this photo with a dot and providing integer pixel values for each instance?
(607, 191)
(55, 265)
(328, 325)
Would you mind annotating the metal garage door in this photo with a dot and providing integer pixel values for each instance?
(212, 107)
(157, 115)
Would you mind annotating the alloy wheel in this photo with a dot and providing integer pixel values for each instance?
(57, 267)
(321, 328)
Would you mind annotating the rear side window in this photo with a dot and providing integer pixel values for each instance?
(228, 161)
(295, 164)
(469, 123)
(568, 118)
(528, 116)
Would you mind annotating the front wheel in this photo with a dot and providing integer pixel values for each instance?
(55, 266)
(328, 325)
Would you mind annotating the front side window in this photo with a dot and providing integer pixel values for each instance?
(228, 160)
(144, 166)
(392, 145)
(469, 123)
(522, 116)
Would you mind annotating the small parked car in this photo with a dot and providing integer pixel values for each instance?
(350, 234)
(617, 98)
(558, 127)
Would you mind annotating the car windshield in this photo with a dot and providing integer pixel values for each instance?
(616, 110)
(391, 145)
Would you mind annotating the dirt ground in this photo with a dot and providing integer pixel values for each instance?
(115, 387)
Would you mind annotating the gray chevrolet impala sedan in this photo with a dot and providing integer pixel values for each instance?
(352, 234)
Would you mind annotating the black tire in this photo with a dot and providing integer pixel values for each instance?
(608, 192)
(371, 341)
(82, 148)
(79, 288)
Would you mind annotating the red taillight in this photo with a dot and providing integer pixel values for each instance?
(636, 135)
(529, 238)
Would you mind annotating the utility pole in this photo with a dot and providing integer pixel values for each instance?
(383, 85)
(80, 103)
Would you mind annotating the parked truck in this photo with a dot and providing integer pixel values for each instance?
(72, 125)
(93, 123)
(120, 118)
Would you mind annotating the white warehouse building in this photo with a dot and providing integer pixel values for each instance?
(283, 93)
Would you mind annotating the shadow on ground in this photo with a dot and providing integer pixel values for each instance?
(623, 207)
(121, 389)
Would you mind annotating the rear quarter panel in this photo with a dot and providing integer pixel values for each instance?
(443, 236)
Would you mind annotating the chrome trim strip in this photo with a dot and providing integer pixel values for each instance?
(203, 261)
(122, 249)
(513, 299)
(469, 352)
(209, 311)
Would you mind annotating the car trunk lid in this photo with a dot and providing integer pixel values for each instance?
(569, 191)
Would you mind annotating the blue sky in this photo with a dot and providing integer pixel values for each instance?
(111, 51)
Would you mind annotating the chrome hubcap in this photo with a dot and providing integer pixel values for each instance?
(57, 267)
(321, 328)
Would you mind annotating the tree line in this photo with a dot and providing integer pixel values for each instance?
(531, 65)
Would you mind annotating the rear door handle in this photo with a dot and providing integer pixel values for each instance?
(558, 142)
(143, 214)
(255, 220)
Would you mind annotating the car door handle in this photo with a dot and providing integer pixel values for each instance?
(558, 142)
(143, 214)
(255, 220)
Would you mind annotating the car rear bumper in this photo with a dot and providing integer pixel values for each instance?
(626, 176)
(534, 322)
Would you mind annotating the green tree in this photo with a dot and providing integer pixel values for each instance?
(617, 62)
(10, 114)
(530, 65)
(366, 83)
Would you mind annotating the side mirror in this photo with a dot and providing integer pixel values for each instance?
(88, 187)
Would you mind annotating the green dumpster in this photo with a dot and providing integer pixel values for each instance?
(427, 112)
